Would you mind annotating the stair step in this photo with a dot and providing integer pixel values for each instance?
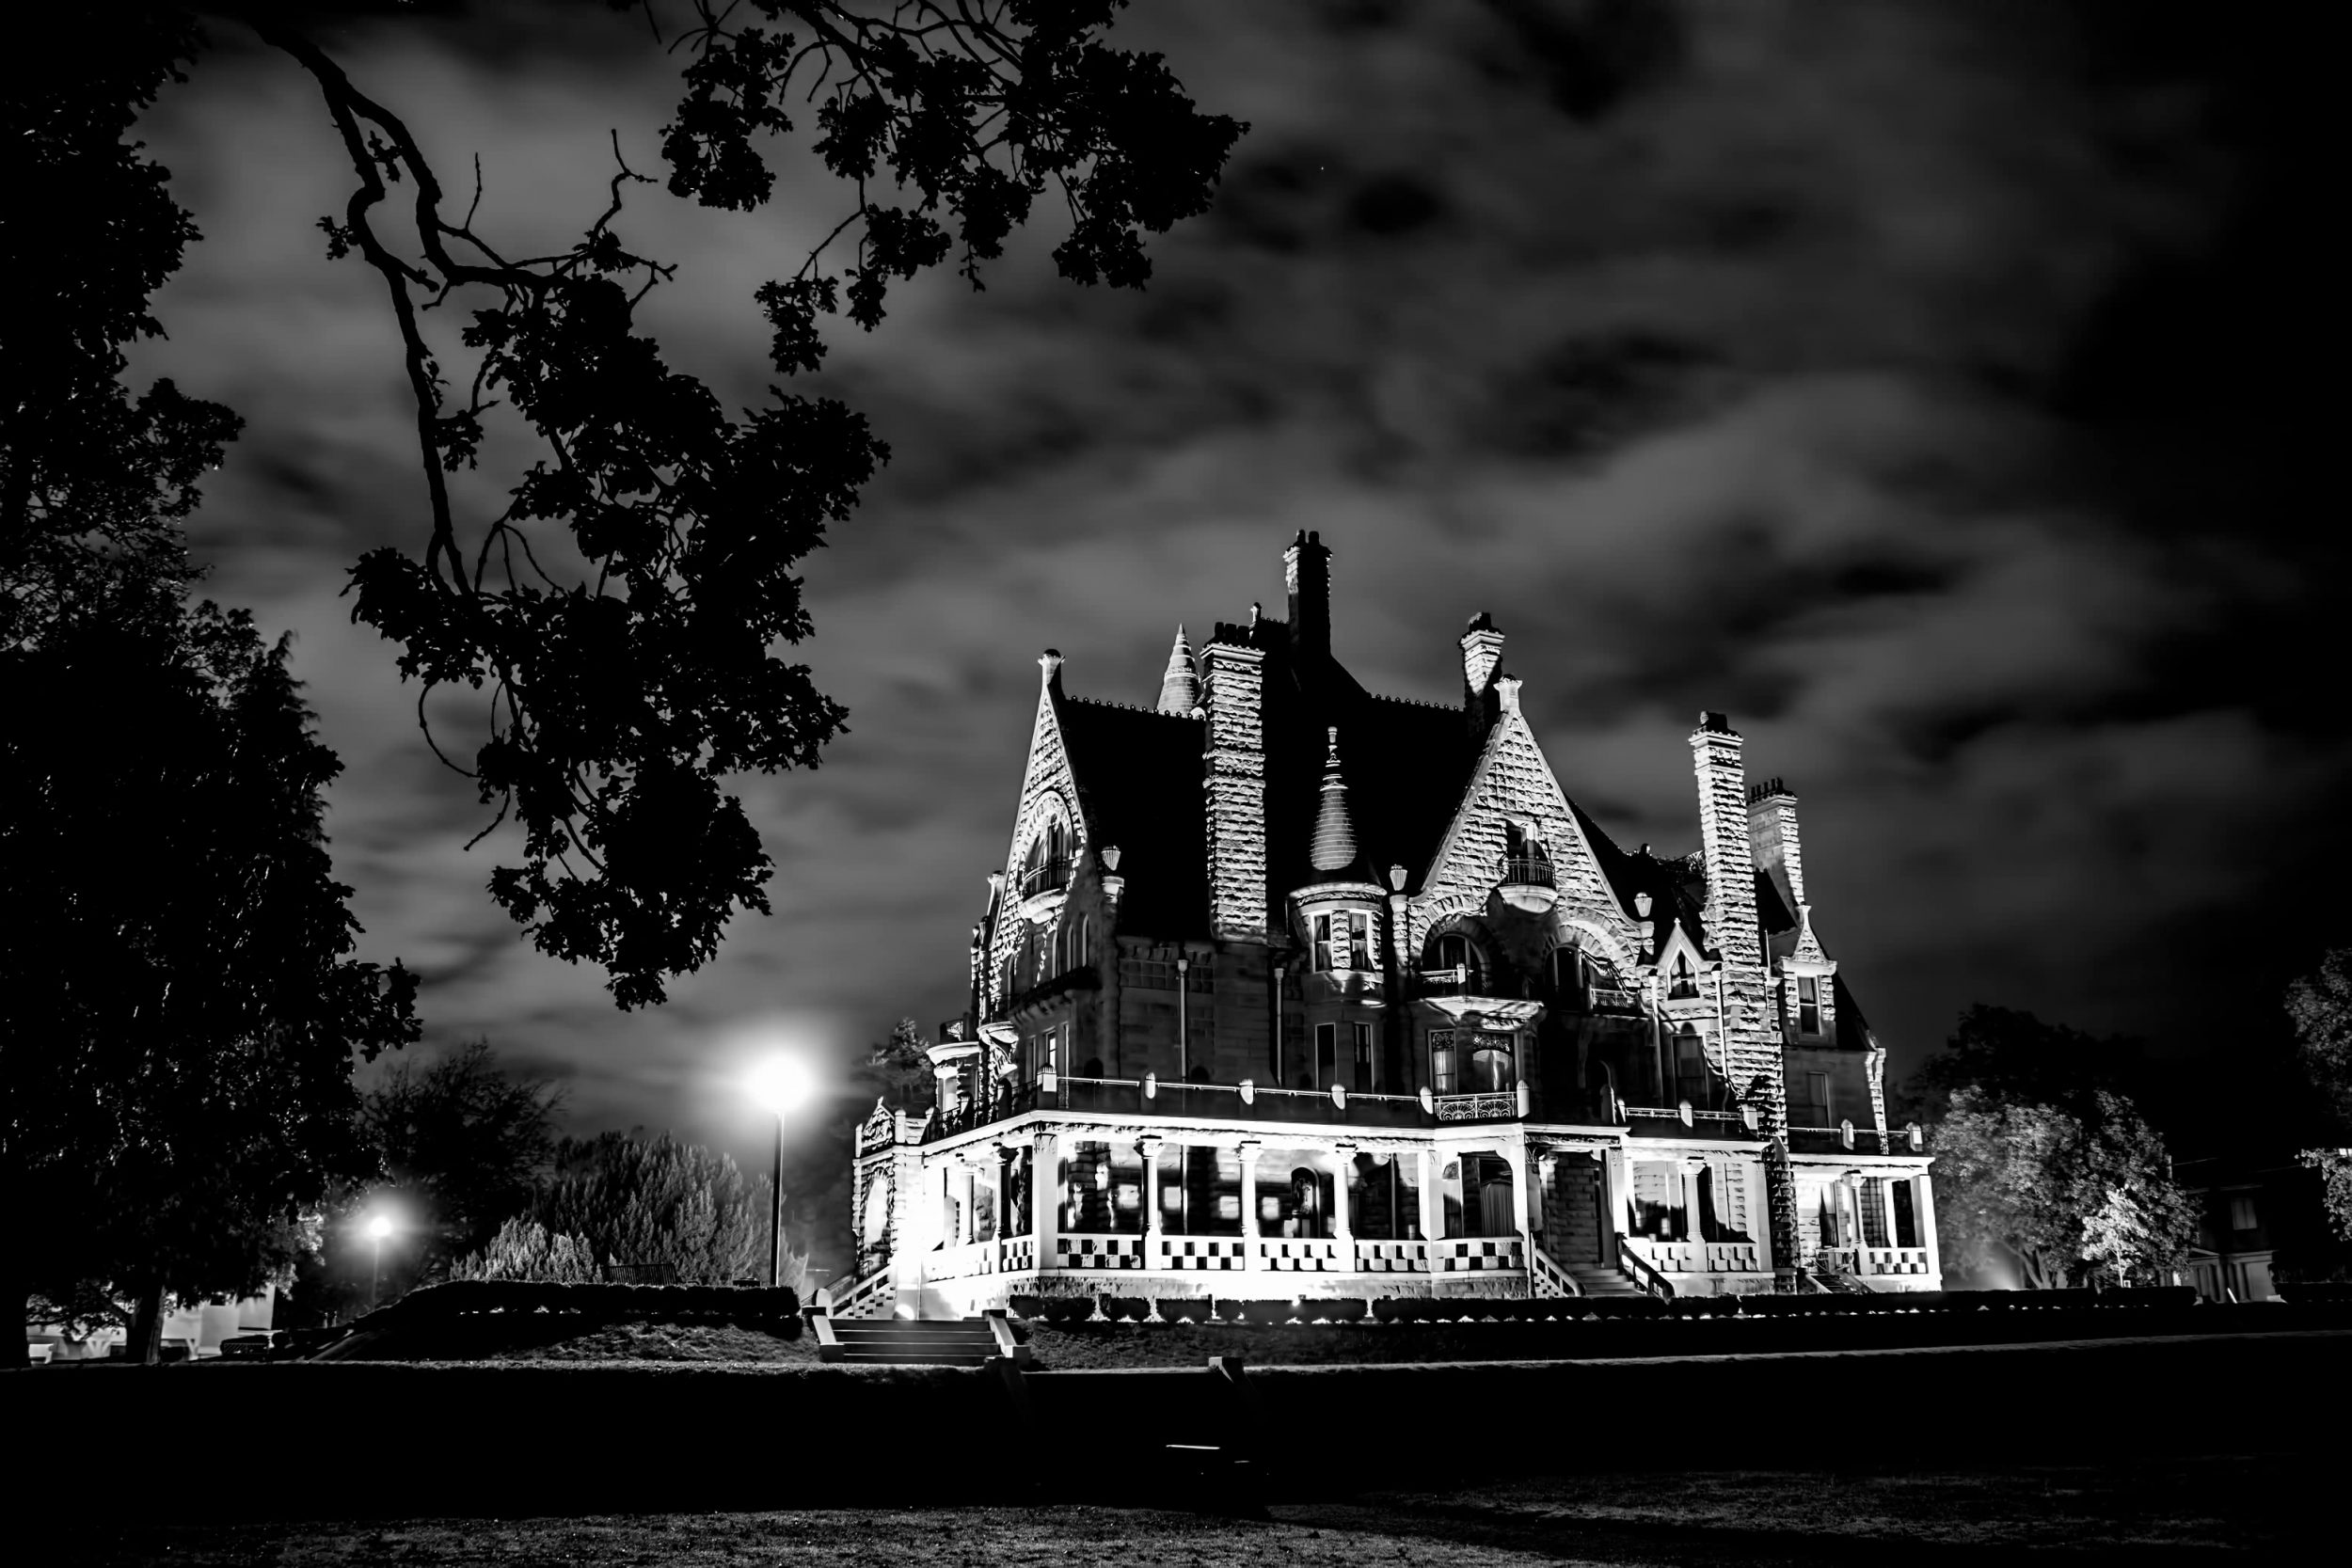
(882, 1358)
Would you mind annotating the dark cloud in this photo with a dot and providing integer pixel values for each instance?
(1919, 383)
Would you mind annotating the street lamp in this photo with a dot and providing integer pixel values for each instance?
(777, 1084)
(378, 1227)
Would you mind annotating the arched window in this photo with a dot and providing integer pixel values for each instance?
(1455, 950)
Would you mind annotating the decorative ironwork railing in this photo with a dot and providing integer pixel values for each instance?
(1443, 982)
(1611, 999)
(1044, 877)
(1478, 1107)
(1527, 871)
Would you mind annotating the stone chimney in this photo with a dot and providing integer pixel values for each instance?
(1307, 569)
(1773, 836)
(1481, 655)
(1179, 688)
(1233, 683)
(1752, 1054)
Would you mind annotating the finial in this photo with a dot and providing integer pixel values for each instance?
(1180, 687)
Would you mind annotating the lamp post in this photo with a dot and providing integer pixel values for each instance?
(378, 1227)
(777, 1085)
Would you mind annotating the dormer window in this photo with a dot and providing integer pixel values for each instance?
(1343, 941)
(1808, 1004)
(1684, 983)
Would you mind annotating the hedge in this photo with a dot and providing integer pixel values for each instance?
(601, 1301)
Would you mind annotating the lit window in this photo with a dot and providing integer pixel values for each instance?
(1808, 1004)
(1493, 1065)
(2242, 1212)
(1323, 941)
(1441, 1060)
(1359, 941)
(1690, 1068)
(1454, 951)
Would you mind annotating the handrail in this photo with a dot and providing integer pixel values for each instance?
(1638, 1268)
(1556, 1281)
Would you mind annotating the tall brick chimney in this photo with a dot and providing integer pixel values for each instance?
(1773, 836)
(1752, 1054)
(1481, 655)
(1307, 569)
(1233, 677)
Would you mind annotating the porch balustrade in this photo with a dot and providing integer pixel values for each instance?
(1700, 1257)
(1476, 1255)
(1893, 1259)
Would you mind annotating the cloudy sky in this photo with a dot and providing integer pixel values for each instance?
(1921, 383)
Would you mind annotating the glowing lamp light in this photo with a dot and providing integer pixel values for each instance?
(778, 1086)
(379, 1228)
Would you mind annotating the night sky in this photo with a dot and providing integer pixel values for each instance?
(1925, 384)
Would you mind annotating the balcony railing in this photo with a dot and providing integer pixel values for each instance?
(1507, 1106)
(1611, 999)
(1527, 871)
(1045, 877)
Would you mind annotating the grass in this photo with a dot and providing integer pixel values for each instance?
(551, 1337)
(2240, 1507)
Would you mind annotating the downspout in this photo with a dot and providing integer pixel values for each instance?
(1183, 1035)
(1278, 1024)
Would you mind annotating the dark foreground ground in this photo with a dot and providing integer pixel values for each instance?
(2248, 1507)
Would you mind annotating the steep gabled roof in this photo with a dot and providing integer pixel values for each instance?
(1139, 777)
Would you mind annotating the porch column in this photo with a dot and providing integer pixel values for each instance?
(1612, 1163)
(1002, 1205)
(1923, 1214)
(1517, 1160)
(1249, 1147)
(1045, 1196)
(1431, 1199)
(1150, 1150)
(1342, 1222)
(966, 1195)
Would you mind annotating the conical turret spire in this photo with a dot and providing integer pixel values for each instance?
(1179, 688)
(1334, 845)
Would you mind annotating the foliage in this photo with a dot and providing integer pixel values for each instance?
(2055, 1193)
(176, 1048)
(2319, 1006)
(620, 616)
(93, 483)
(2015, 1057)
(662, 1209)
(900, 1068)
(525, 1249)
(466, 1140)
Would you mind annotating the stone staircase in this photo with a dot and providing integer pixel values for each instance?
(917, 1342)
(1595, 1280)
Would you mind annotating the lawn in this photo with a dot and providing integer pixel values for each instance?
(2238, 1507)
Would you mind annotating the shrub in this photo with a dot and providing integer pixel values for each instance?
(1257, 1311)
(1340, 1309)
(1190, 1310)
(1124, 1307)
(1026, 1306)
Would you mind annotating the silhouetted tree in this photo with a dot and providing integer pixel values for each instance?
(2319, 1006)
(900, 1068)
(93, 484)
(623, 688)
(179, 1013)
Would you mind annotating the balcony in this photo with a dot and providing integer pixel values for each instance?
(1612, 999)
(1037, 1005)
(1526, 883)
(1509, 1105)
(1043, 886)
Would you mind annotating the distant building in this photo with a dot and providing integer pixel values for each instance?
(2249, 1211)
(1289, 988)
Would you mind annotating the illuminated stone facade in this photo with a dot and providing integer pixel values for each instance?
(1320, 991)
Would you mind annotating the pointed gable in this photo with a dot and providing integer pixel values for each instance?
(1512, 783)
